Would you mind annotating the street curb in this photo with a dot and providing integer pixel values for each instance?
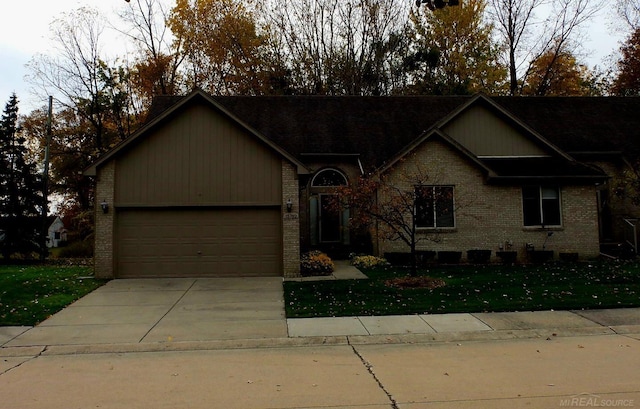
(305, 342)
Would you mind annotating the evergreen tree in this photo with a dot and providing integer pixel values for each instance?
(20, 189)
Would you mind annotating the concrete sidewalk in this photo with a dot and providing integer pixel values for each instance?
(464, 326)
(201, 313)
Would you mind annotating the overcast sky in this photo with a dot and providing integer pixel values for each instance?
(24, 31)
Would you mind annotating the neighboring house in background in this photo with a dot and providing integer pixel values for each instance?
(56, 233)
(217, 186)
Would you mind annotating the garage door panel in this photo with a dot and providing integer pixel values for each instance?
(214, 243)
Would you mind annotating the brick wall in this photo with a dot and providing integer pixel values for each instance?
(104, 223)
(490, 216)
(290, 221)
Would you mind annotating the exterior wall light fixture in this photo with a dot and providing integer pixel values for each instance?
(289, 205)
(105, 207)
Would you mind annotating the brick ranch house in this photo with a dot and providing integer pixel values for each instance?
(219, 186)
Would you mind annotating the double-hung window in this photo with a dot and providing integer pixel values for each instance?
(434, 206)
(541, 206)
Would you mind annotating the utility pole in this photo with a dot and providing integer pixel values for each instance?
(45, 185)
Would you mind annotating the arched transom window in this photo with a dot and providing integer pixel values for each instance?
(329, 177)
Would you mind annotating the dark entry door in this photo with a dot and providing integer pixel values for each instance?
(330, 220)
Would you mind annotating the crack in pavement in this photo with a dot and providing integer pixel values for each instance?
(168, 311)
(31, 358)
(394, 404)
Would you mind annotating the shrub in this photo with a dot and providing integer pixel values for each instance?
(449, 257)
(540, 256)
(568, 257)
(507, 257)
(368, 261)
(78, 249)
(478, 256)
(316, 263)
(425, 257)
(398, 259)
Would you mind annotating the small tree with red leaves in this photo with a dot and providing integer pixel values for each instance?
(392, 205)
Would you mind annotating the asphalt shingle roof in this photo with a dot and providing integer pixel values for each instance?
(377, 128)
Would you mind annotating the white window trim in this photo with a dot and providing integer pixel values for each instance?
(313, 180)
(435, 215)
(540, 209)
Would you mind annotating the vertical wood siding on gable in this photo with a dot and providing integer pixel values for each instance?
(200, 158)
(484, 134)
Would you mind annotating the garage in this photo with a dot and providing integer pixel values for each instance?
(198, 242)
(196, 193)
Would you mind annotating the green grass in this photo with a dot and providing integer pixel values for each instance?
(31, 293)
(559, 286)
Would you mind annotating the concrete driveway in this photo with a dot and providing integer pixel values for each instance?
(167, 310)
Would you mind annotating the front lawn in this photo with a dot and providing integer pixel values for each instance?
(31, 293)
(558, 286)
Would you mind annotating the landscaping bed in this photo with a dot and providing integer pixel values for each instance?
(31, 293)
(558, 286)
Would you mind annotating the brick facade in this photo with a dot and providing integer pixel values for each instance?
(290, 221)
(487, 216)
(104, 222)
(490, 217)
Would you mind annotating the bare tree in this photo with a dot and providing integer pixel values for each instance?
(76, 74)
(338, 47)
(567, 17)
(629, 11)
(526, 37)
(160, 52)
(514, 19)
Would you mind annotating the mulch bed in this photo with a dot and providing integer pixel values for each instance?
(415, 282)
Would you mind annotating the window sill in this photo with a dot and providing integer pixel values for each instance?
(542, 228)
(436, 229)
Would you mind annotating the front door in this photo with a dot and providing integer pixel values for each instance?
(330, 220)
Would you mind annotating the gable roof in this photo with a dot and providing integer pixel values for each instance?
(374, 127)
(582, 124)
(171, 106)
(523, 128)
(379, 128)
(436, 133)
(557, 168)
